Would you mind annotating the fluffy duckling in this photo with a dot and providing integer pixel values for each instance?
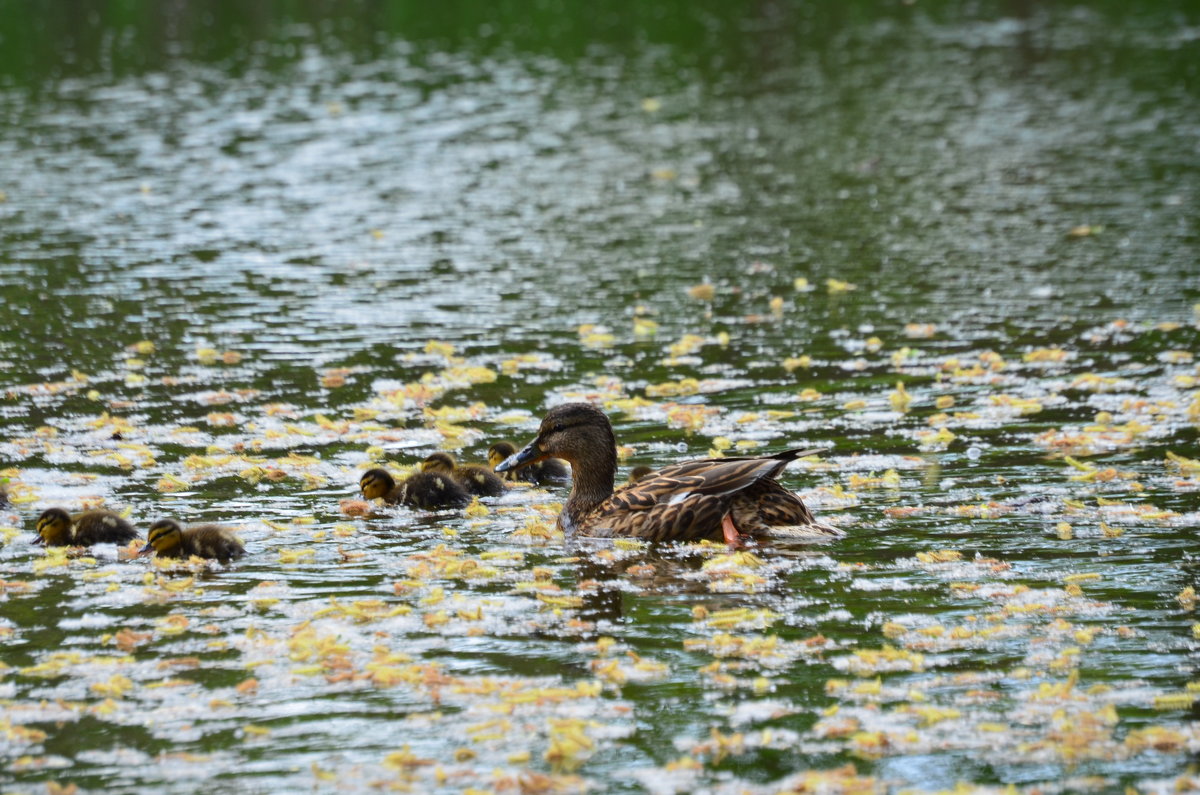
(477, 480)
(548, 470)
(168, 540)
(715, 498)
(429, 491)
(637, 473)
(57, 528)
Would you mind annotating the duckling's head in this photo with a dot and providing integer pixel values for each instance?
(500, 451)
(639, 472)
(163, 537)
(573, 431)
(54, 528)
(376, 483)
(439, 462)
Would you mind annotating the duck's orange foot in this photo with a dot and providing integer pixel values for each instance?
(732, 537)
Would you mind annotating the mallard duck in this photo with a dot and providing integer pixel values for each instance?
(477, 480)
(428, 491)
(715, 498)
(57, 528)
(167, 539)
(547, 470)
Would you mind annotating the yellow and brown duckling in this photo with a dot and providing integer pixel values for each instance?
(477, 480)
(167, 539)
(716, 498)
(429, 491)
(57, 528)
(637, 473)
(545, 471)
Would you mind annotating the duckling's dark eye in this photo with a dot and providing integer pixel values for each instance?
(558, 426)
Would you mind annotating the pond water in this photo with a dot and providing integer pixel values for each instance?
(248, 251)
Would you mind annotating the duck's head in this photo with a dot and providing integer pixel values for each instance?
(439, 462)
(54, 528)
(376, 483)
(572, 431)
(500, 451)
(163, 537)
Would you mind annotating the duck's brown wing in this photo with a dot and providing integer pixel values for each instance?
(768, 507)
(683, 502)
(785, 456)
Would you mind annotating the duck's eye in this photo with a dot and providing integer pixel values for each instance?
(558, 426)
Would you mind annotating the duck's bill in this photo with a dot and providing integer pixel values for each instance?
(146, 550)
(528, 455)
(39, 541)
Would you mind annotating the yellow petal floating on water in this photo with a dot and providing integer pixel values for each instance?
(644, 327)
(289, 556)
(439, 348)
(940, 556)
(796, 362)
(1175, 701)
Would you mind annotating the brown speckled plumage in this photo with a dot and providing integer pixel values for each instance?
(57, 528)
(475, 479)
(688, 501)
(547, 471)
(168, 540)
(429, 491)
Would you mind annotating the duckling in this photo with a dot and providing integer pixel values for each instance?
(715, 498)
(168, 540)
(548, 470)
(429, 491)
(477, 480)
(57, 528)
(637, 473)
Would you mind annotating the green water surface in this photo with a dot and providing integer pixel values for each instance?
(1007, 190)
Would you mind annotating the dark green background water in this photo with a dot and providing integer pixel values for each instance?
(330, 185)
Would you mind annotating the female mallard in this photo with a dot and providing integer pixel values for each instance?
(547, 470)
(428, 491)
(168, 540)
(57, 528)
(477, 480)
(716, 498)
